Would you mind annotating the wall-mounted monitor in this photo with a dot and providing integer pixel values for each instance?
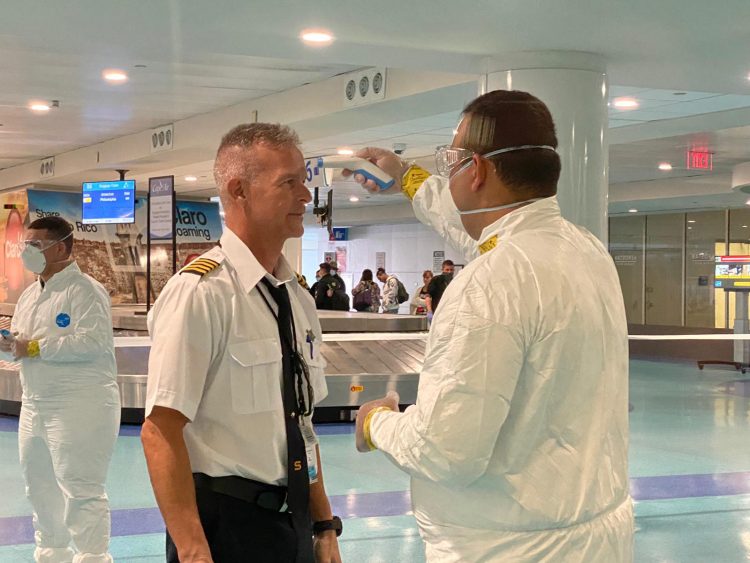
(108, 202)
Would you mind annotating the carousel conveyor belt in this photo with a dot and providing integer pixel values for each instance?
(360, 367)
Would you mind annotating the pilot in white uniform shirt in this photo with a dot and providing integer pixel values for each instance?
(216, 358)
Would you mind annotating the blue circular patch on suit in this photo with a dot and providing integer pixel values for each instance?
(63, 320)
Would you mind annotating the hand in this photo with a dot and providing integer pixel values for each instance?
(387, 161)
(20, 348)
(390, 400)
(326, 548)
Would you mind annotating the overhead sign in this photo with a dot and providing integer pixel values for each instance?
(699, 160)
(108, 202)
(161, 207)
(340, 233)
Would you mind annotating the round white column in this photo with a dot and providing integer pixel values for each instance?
(574, 87)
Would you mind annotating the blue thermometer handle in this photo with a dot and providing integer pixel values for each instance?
(358, 166)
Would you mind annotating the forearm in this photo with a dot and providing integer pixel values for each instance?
(428, 303)
(172, 481)
(320, 507)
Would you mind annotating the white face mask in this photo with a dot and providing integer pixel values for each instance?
(33, 257)
(507, 205)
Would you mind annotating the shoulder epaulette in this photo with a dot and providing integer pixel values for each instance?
(203, 265)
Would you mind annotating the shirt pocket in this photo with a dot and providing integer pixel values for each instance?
(255, 372)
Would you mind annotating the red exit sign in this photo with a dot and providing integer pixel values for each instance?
(699, 160)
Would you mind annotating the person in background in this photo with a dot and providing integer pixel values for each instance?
(61, 333)
(390, 291)
(438, 286)
(335, 273)
(329, 292)
(366, 294)
(418, 305)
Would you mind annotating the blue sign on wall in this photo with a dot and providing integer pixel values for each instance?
(340, 233)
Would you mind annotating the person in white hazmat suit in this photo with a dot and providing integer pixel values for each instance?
(517, 444)
(70, 413)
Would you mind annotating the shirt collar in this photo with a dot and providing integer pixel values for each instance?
(534, 215)
(249, 270)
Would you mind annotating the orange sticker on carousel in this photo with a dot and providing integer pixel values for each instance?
(357, 388)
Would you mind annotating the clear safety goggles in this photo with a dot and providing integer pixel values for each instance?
(40, 244)
(451, 160)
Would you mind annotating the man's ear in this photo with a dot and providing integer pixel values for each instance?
(480, 170)
(234, 189)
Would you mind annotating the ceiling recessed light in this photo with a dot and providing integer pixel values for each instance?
(747, 202)
(354, 199)
(665, 166)
(316, 36)
(191, 178)
(690, 228)
(744, 226)
(691, 220)
(625, 103)
(115, 75)
(40, 107)
(345, 152)
(632, 211)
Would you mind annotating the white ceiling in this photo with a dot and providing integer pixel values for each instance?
(201, 57)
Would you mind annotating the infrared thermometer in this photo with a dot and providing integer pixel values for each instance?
(7, 335)
(358, 166)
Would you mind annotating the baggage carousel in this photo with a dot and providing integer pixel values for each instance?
(367, 354)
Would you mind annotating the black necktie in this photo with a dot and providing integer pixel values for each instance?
(298, 495)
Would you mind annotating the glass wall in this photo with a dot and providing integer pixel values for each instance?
(666, 265)
(705, 238)
(626, 236)
(664, 269)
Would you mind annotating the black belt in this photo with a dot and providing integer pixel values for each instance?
(270, 497)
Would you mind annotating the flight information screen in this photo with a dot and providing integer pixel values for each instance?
(108, 202)
(732, 271)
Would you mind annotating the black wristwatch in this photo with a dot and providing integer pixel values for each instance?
(325, 525)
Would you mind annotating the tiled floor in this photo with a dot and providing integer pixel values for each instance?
(690, 470)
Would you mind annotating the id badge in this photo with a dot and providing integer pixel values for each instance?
(311, 442)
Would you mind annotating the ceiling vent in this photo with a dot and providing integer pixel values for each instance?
(364, 87)
(162, 138)
(47, 167)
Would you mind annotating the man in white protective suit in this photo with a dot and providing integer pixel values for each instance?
(70, 414)
(517, 444)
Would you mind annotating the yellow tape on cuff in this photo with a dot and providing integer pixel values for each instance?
(366, 426)
(413, 180)
(32, 349)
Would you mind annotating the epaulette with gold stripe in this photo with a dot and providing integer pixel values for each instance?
(200, 266)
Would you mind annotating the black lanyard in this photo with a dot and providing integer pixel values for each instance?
(299, 365)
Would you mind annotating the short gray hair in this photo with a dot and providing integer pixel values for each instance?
(234, 160)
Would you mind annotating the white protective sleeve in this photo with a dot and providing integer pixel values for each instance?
(92, 334)
(465, 389)
(433, 206)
